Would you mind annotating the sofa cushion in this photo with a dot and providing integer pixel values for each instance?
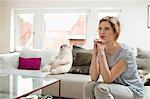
(44, 54)
(77, 49)
(9, 60)
(71, 85)
(80, 70)
(81, 60)
(29, 63)
(143, 59)
(143, 63)
(143, 53)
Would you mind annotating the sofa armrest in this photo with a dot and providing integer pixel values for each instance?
(9, 60)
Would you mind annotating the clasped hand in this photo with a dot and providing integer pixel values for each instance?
(99, 48)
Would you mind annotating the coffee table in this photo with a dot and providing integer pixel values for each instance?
(23, 85)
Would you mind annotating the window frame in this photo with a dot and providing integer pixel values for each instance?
(148, 16)
(38, 30)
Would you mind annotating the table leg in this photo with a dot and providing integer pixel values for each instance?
(11, 86)
(59, 89)
(36, 83)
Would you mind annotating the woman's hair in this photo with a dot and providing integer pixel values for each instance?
(114, 22)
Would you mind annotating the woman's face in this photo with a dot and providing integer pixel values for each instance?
(106, 32)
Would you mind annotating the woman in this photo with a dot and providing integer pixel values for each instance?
(115, 63)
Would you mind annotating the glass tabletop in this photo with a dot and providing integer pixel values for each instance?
(20, 86)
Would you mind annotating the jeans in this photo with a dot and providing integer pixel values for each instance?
(99, 90)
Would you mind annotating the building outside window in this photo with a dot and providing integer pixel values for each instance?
(49, 29)
(64, 28)
(24, 31)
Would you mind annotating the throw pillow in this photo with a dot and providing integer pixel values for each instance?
(77, 49)
(143, 53)
(29, 63)
(62, 63)
(143, 59)
(143, 63)
(44, 54)
(82, 59)
(80, 70)
(9, 60)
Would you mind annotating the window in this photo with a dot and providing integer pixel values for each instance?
(148, 16)
(64, 28)
(103, 14)
(24, 31)
(48, 28)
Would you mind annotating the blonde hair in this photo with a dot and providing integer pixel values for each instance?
(115, 24)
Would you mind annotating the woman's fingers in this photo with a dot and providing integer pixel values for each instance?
(101, 41)
(101, 48)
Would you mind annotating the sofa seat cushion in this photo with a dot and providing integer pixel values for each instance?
(72, 84)
(71, 77)
(146, 92)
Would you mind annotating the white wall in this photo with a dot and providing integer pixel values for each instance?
(133, 19)
(0, 24)
(0, 15)
(4, 29)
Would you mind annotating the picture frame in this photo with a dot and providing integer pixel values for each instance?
(148, 16)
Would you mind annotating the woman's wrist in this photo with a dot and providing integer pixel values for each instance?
(94, 53)
(101, 54)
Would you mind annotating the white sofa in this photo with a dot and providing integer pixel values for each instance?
(71, 84)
